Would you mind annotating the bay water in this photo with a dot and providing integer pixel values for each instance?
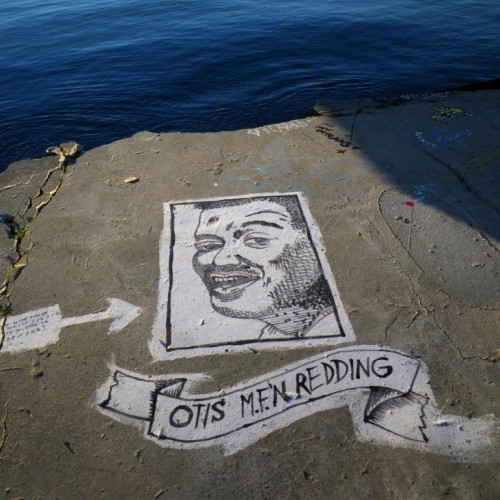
(95, 71)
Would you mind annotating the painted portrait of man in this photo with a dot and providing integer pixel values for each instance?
(247, 270)
(257, 262)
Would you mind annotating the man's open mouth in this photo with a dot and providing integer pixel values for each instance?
(229, 283)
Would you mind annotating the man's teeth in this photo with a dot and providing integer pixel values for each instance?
(227, 281)
(232, 280)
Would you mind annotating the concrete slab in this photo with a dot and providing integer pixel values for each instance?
(403, 203)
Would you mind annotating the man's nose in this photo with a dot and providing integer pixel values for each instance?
(228, 254)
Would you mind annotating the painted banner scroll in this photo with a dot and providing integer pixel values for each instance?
(176, 418)
(386, 391)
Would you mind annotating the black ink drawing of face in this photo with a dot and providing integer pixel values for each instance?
(254, 260)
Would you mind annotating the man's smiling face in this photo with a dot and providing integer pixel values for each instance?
(247, 256)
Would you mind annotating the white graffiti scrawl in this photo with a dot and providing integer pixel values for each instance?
(278, 127)
(241, 272)
(41, 327)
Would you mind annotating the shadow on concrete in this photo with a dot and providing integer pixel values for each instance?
(441, 150)
(440, 155)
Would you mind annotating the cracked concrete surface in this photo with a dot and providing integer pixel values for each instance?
(411, 234)
(18, 224)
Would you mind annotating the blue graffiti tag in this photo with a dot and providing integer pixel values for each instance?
(422, 191)
(441, 137)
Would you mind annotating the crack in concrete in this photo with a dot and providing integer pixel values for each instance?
(315, 142)
(457, 349)
(410, 232)
(414, 317)
(355, 117)
(461, 179)
(394, 237)
(4, 422)
(408, 253)
(422, 305)
(20, 183)
(488, 242)
(408, 277)
(10, 186)
(391, 324)
(391, 304)
(395, 257)
(23, 220)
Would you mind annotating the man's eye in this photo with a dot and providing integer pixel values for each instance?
(257, 241)
(208, 246)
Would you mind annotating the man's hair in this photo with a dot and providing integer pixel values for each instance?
(289, 202)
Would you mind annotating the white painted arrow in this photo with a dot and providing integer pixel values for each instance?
(41, 327)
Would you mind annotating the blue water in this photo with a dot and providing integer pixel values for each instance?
(97, 70)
